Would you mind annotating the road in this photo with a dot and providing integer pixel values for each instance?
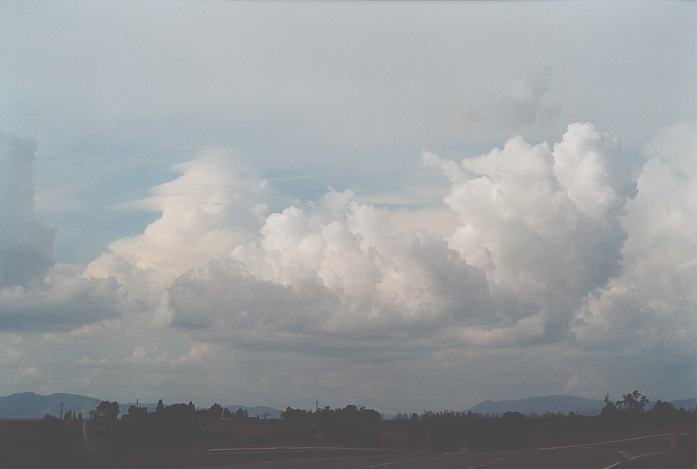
(632, 454)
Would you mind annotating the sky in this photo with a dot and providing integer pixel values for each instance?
(401, 205)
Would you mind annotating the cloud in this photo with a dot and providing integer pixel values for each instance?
(537, 229)
(35, 294)
(543, 223)
(334, 266)
(526, 102)
(210, 209)
(546, 257)
(478, 303)
(381, 276)
(521, 103)
(226, 304)
(63, 301)
(652, 303)
(26, 243)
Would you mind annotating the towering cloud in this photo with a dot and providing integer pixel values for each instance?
(540, 230)
(26, 244)
(653, 301)
(548, 247)
(34, 293)
(213, 207)
(543, 223)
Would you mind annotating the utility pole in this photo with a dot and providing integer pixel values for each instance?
(61, 411)
(316, 405)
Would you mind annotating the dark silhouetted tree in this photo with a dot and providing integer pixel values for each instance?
(633, 403)
(609, 409)
(108, 409)
(137, 413)
(663, 408)
(215, 411)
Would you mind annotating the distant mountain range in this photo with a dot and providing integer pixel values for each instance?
(688, 404)
(257, 411)
(28, 405)
(557, 404)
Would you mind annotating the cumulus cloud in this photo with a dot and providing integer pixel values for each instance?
(224, 303)
(537, 229)
(210, 209)
(35, 294)
(543, 223)
(332, 266)
(381, 277)
(538, 249)
(652, 303)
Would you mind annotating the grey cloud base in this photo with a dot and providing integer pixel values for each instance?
(61, 302)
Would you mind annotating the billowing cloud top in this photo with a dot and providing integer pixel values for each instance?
(542, 235)
(544, 245)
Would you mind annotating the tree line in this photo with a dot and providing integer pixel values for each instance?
(184, 428)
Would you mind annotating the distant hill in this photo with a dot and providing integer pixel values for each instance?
(28, 405)
(687, 404)
(257, 411)
(541, 405)
(558, 404)
(149, 406)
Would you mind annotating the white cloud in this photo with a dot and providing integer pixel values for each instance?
(381, 276)
(537, 249)
(535, 230)
(540, 262)
(542, 223)
(337, 268)
(211, 208)
(652, 303)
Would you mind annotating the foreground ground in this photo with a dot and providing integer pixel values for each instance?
(641, 454)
